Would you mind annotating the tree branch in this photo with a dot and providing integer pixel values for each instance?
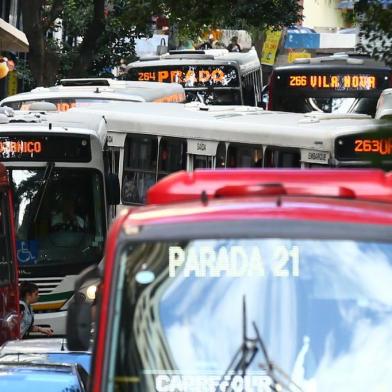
(89, 45)
(55, 11)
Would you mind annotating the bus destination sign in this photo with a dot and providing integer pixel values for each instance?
(45, 148)
(363, 147)
(189, 75)
(344, 82)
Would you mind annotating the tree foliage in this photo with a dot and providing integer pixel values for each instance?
(192, 17)
(375, 22)
(98, 33)
(95, 36)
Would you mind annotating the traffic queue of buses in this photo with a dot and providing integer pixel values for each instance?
(235, 279)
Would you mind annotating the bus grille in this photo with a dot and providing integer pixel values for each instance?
(45, 285)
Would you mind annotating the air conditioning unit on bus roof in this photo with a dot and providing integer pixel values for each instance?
(325, 59)
(205, 53)
(85, 82)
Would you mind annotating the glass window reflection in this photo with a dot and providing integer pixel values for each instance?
(59, 214)
(322, 308)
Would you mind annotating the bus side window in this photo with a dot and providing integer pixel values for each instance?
(172, 156)
(221, 155)
(258, 87)
(244, 155)
(140, 168)
(111, 160)
(249, 91)
(5, 243)
(282, 157)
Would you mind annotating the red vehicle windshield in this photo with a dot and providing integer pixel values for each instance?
(212, 309)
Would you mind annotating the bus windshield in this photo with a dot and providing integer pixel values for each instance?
(59, 215)
(203, 315)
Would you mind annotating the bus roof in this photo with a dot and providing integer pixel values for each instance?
(231, 123)
(48, 137)
(245, 60)
(337, 60)
(332, 66)
(30, 122)
(102, 89)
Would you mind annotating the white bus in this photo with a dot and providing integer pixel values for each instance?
(71, 93)
(61, 199)
(147, 141)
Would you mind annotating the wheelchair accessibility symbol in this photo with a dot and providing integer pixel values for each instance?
(26, 252)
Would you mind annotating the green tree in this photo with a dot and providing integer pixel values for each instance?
(95, 36)
(375, 22)
(98, 33)
(192, 17)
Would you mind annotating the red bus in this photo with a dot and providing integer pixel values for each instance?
(9, 297)
(247, 280)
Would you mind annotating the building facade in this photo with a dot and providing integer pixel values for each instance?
(324, 15)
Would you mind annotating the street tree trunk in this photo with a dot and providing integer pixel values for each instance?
(43, 61)
(89, 45)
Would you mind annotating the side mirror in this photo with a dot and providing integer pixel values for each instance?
(79, 317)
(112, 189)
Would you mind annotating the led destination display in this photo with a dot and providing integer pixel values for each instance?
(60, 148)
(189, 75)
(334, 82)
(363, 146)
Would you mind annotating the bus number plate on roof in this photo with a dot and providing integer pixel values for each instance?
(44, 148)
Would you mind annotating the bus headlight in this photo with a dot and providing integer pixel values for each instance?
(91, 291)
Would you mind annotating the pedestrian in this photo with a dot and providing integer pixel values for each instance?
(28, 294)
(207, 44)
(234, 46)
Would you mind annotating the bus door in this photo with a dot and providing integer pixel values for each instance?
(201, 154)
(9, 301)
(113, 158)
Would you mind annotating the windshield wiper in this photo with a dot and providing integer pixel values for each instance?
(44, 184)
(246, 353)
(271, 367)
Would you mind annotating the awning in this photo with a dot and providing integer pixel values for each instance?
(12, 39)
